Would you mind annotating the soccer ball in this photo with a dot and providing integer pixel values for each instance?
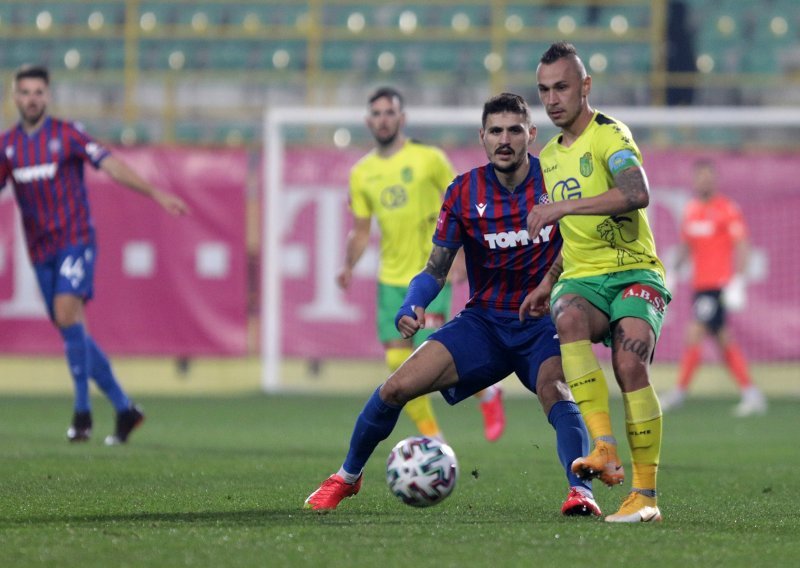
(421, 471)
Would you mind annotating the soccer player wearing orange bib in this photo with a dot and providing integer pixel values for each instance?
(714, 236)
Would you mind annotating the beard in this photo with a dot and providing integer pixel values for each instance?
(510, 168)
(33, 115)
(387, 139)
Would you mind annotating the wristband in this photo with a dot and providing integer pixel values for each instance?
(422, 290)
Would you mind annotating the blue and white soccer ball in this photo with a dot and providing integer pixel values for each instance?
(421, 471)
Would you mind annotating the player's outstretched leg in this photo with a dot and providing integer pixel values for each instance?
(589, 388)
(494, 416)
(374, 424)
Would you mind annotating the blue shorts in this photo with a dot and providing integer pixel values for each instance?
(487, 347)
(69, 271)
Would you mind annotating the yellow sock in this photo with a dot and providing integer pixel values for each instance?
(420, 409)
(643, 418)
(589, 388)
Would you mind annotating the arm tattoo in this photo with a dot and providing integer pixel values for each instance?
(439, 263)
(633, 185)
(555, 271)
(636, 346)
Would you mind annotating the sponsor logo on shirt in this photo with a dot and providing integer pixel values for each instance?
(38, 172)
(394, 196)
(512, 239)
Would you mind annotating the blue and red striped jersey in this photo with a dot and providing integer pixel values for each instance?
(46, 170)
(503, 261)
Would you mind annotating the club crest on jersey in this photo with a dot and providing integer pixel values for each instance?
(54, 145)
(481, 207)
(94, 150)
(586, 164)
(544, 199)
(9, 152)
(407, 174)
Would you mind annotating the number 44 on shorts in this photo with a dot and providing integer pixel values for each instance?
(72, 269)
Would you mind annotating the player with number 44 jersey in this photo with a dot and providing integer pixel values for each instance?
(43, 157)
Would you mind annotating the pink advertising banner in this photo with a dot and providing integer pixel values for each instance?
(163, 285)
(321, 321)
(178, 285)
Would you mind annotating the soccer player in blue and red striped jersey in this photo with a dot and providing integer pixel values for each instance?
(43, 157)
(485, 211)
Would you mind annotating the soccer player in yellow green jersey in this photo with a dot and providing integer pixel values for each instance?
(609, 285)
(401, 183)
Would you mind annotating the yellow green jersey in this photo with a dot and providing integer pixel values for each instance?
(598, 244)
(404, 193)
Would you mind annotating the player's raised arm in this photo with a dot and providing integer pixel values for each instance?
(123, 174)
(631, 191)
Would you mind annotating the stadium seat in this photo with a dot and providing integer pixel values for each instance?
(155, 54)
(553, 14)
(215, 16)
(638, 16)
(442, 56)
(224, 55)
(263, 55)
(719, 34)
(346, 55)
(166, 13)
(532, 16)
(337, 15)
(7, 16)
(41, 52)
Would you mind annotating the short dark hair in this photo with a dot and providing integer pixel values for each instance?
(387, 92)
(29, 71)
(558, 50)
(506, 102)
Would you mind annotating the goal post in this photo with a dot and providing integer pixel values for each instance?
(275, 222)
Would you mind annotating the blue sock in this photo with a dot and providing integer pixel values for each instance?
(104, 377)
(374, 425)
(77, 351)
(572, 438)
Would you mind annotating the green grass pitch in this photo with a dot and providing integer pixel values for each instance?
(221, 482)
